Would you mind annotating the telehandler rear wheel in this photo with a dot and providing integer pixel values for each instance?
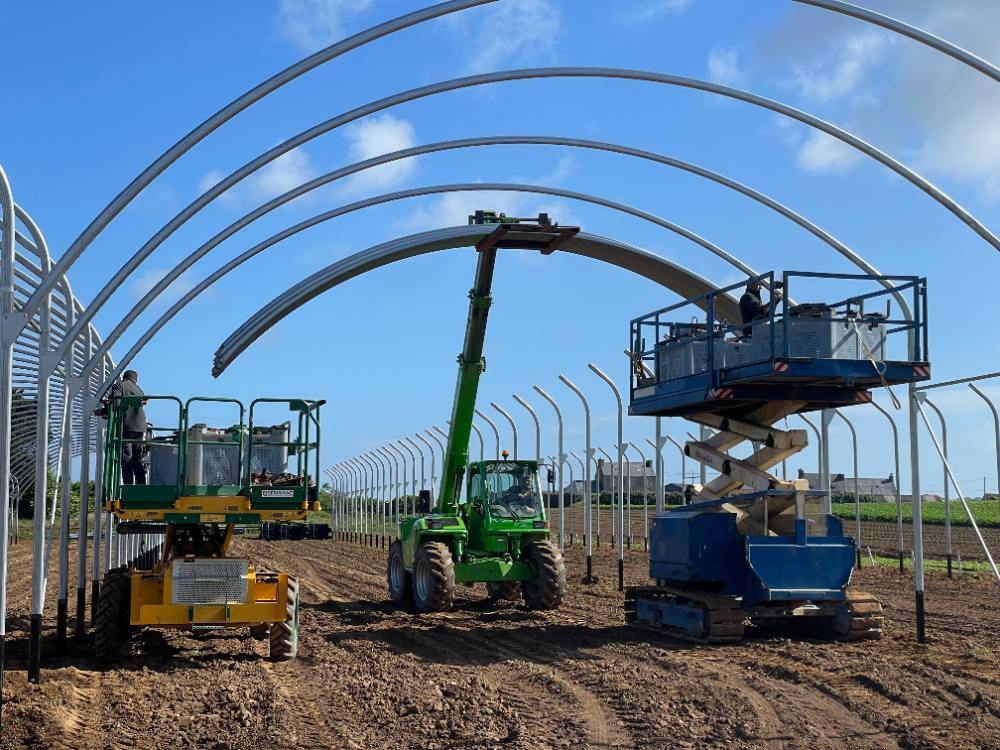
(400, 582)
(112, 634)
(548, 588)
(509, 591)
(433, 578)
(284, 636)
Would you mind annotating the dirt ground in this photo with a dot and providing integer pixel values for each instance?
(488, 676)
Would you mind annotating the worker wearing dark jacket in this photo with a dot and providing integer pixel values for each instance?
(133, 428)
(753, 308)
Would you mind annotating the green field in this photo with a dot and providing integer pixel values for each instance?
(986, 512)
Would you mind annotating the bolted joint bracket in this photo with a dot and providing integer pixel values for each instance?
(12, 324)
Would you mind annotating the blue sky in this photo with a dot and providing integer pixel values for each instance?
(98, 95)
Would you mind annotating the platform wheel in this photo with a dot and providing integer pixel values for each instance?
(548, 588)
(400, 582)
(260, 632)
(433, 578)
(509, 591)
(112, 633)
(284, 636)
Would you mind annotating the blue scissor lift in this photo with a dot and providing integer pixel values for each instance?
(749, 547)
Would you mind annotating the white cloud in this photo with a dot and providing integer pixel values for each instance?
(148, 278)
(823, 153)
(313, 24)
(842, 71)
(652, 9)
(511, 33)
(724, 67)
(281, 175)
(376, 136)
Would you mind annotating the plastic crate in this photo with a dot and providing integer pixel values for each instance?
(274, 458)
(216, 463)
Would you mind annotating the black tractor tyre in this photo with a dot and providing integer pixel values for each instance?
(400, 582)
(284, 636)
(433, 578)
(260, 632)
(112, 633)
(508, 591)
(548, 588)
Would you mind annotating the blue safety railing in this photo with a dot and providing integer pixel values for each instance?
(670, 335)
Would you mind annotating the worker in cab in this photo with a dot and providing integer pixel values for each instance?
(522, 495)
(133, 429)
(753, 308)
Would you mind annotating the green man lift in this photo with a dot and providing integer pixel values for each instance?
(499, 534)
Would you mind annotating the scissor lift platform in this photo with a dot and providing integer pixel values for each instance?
(749, 547)
(729, 369)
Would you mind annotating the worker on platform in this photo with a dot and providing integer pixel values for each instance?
(133, 429)
(753, 308)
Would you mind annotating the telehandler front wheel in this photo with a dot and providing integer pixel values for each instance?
(112, 633)
(433, 578)
(548, 588)
(508, 591)
(400, 582)
(284, 636)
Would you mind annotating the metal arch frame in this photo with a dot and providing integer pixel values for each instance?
(524, 74)
(653, 267)
(228, 112)
(149, 298)
(338, 174)
(357, 205)
(912, 32)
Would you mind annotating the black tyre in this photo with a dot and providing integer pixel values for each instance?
(549, 587)
(509, 591)
(284, 636)
(433, 578)
(112, 634)
(260, 632)
(400, 582)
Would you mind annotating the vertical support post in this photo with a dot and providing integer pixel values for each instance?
(917, 514)
(84, 514)
(8, 328)
(559, 471)
(95, 566)
(857, 489)
(538, 427)
(947, 493)
(496, 434)
(658, 447)
(826, 417)
(621, 480)
(510, 420)
(66, 481)
(679, 447)
(587, 510)
(899, 483)
(430, 448)
(996, 433)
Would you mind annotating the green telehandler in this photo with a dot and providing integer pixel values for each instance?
(499, 534)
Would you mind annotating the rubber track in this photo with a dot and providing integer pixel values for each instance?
(723, 614)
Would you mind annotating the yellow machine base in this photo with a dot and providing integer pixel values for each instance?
(152, 602)
(193, 509)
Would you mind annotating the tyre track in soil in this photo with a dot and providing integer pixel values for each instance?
(603, 727)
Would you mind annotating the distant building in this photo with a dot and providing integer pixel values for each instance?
(876, 487)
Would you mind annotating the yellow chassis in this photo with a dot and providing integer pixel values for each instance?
(151, 603)
(210, 509)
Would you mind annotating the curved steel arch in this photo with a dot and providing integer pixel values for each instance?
(232, 109)
(524, 74)
(193, 293)
(904, 29)
(670, 275)
(220, 237)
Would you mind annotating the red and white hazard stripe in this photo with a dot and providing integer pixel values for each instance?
(782, 367)
(718, 393)
(921, 372)
(863, 397)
